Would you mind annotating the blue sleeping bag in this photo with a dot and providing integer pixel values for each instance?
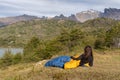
(58, 62)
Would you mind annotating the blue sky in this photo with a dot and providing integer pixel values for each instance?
(53, 7)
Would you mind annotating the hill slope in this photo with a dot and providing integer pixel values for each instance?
(106, 67)
(19, 33)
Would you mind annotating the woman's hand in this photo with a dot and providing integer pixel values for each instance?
(72, 57)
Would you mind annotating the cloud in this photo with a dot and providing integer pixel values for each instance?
(52, 7)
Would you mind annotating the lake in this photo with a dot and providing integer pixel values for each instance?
(13, 50)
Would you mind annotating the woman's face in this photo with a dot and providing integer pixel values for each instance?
(88, 49)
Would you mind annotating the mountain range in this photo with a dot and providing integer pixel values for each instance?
(14, 19)
(83, 16)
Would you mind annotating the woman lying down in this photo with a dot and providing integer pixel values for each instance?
(67, 62)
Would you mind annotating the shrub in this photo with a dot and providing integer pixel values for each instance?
(7, 58)
(71, 38)
(17, 58)
(29, 49)
(99, 43)
(113, 36)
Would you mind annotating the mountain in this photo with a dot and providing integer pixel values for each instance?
(11, 20)
(87, 15)
(83, 16)
(111, 13)
(72, 17)
(61, 16)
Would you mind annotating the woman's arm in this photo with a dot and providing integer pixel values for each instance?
(78, 58)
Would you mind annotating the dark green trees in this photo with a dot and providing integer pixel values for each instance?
(113, 36)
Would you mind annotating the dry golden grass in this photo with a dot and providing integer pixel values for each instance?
(106, 67)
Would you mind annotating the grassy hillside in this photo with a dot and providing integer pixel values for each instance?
(106, 67)
(44, 39)
(19, 33)
(100, 22)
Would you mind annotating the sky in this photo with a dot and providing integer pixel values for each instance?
(52, 8)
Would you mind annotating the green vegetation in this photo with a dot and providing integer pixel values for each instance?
(43, 39)
(6, 60)
(106, 67)
(10, 59)
(113, 36)
(18, 34)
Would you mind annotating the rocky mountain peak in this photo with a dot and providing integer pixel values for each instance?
(113, 13)
(87, 15)
(111, 10)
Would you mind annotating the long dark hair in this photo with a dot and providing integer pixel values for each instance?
(89, 52)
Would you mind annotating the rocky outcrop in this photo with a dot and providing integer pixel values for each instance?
(72, 17)
(83, 16)
(62, 17)
(87, 15)
(111, 13)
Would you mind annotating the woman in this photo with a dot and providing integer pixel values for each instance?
(86, 57)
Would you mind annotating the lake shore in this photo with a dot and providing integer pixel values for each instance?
(12, 50)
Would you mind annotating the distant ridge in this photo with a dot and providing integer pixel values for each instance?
(112, 13)
(83, 16)
(11, 20)
(61, 16)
